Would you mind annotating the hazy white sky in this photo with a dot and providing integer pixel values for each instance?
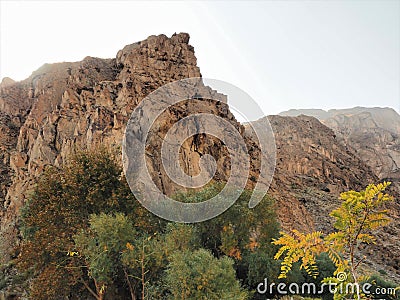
(285, 54)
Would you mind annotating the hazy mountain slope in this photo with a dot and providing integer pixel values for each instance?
(374, 133)
(384, 117)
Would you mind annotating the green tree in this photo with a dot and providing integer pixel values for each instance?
(144, 259)
(100, 248)
(199, 275)
(180, 237)
(241, 233)
(239, 228)
(147, 257)
(89, 183)
(85, 235)
(112, 246)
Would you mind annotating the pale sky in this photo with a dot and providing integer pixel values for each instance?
(284, 54)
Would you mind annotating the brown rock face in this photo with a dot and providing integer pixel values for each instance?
(310, 160)
(376, 137)
(309, 156)
(67, 106)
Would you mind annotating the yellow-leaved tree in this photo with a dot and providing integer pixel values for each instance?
(359, 214)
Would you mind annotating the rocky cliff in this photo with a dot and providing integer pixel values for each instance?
(65, 106)
(68, 106)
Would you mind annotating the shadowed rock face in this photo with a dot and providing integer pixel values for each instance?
(67, 106)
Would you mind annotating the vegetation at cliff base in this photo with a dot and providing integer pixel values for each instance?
(86, 237)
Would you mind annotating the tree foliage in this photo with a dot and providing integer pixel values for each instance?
(60, 207)
(359, 214)
(300, 247)
(86, 237)
(100, 247)
(199, 275)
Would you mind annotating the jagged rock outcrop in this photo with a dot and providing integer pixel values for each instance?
(67, 106)
(74, 105)
(6, 81)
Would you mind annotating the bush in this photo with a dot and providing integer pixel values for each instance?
(199, 275)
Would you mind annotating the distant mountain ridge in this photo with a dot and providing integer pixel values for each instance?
(384, 117)
(373, 132)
